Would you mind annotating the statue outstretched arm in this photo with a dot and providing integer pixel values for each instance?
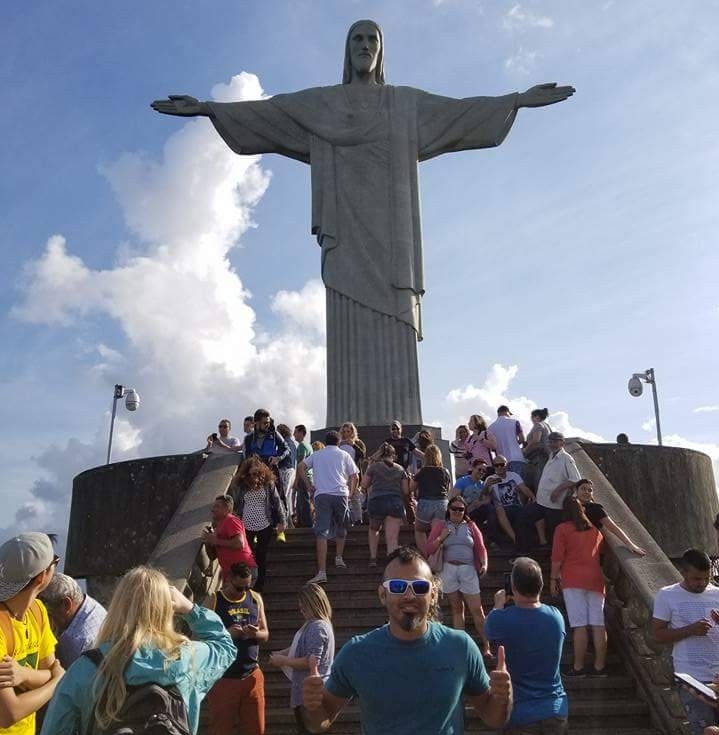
(182, 105)
(544, 94)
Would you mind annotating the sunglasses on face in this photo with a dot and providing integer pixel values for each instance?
(399, 586)
(500, 464)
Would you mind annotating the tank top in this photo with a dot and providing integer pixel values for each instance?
(244, 611)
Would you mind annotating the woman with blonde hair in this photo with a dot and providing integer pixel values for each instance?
(314, 639)
(481, 441)
(431, 485)
(139, 645)
(355, 447)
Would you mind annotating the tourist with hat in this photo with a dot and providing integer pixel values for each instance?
(29, 671)
(558, 477)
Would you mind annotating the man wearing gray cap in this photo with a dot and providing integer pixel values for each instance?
(29, 671)
(558, 476)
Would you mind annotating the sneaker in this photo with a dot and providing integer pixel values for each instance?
(572, 673)
(319, 578)
(372, 563)
(340, 563)
(598, 673)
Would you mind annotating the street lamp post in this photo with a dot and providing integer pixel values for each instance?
(636, 389)
(132, 401)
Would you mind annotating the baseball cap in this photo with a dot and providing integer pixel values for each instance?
(504, 409)
(478, 462)
(22, 558)
(555, 435)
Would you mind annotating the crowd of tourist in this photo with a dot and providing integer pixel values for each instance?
(90, 670)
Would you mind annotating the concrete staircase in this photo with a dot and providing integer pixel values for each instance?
(610, 705)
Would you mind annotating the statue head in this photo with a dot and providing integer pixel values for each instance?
(364, 51)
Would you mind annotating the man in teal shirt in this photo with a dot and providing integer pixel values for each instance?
(302, 495)
(409, 675)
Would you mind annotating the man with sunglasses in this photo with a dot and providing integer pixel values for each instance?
(409, 675)
(238, 698)
(29, 671)
(505, 487)
(222, 442)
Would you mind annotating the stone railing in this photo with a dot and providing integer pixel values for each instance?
(633, 581)
(147, 511)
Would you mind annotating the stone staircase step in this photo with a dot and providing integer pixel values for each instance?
(597, 706)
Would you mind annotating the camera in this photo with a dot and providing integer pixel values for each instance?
(508, 583)
(635, 386)
(214, 437)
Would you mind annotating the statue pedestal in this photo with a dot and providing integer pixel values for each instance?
(373, 436)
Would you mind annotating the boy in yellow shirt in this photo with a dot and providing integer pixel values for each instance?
(29, 671)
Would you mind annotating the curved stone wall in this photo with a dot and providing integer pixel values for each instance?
(120, 511)
(671, 490)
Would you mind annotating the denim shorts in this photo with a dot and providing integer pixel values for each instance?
(332, 512)
(431, 509)
(385, 505)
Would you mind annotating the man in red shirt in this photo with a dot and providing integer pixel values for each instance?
(226, 540)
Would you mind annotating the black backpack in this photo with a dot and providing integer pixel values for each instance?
(149, 709)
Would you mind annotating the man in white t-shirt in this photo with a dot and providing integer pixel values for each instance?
(687, 616)
(505, 487)
(510, 439)
(558, 477)
(223, 443)
(334, 478)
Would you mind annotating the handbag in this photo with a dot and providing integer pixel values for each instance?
(436, 560)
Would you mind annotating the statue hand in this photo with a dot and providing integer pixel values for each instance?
(179, 104)
(544, 94)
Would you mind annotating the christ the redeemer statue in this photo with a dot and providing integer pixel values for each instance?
(363, 139)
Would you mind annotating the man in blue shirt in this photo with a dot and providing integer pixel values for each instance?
(532, 635)
(409, 675)
(471, 487)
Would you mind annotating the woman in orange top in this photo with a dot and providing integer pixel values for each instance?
(576, 569)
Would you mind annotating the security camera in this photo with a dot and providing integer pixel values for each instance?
(635, 387)
(132, 399)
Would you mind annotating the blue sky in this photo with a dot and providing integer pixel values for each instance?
(137, 249)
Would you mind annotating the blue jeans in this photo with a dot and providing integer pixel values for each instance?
(700, 715)
(428, 510)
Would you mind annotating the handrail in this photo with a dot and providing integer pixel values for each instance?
(178, 552)
(633, 584)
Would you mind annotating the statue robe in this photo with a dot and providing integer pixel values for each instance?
(366, 216)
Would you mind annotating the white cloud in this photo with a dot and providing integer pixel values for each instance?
(522, 62)
(519, 17)
(706, 409)
(306, 307)
(649, 425)
(190, 342)
(496, 391)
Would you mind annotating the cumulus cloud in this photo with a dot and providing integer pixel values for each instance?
(519, 17)
(706, 409)
(306, 308)
(189, 334)
(496, 391)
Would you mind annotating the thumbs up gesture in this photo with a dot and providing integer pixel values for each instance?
(313, 687)
(500, 685)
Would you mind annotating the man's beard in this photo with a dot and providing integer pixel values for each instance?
(410, 621)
